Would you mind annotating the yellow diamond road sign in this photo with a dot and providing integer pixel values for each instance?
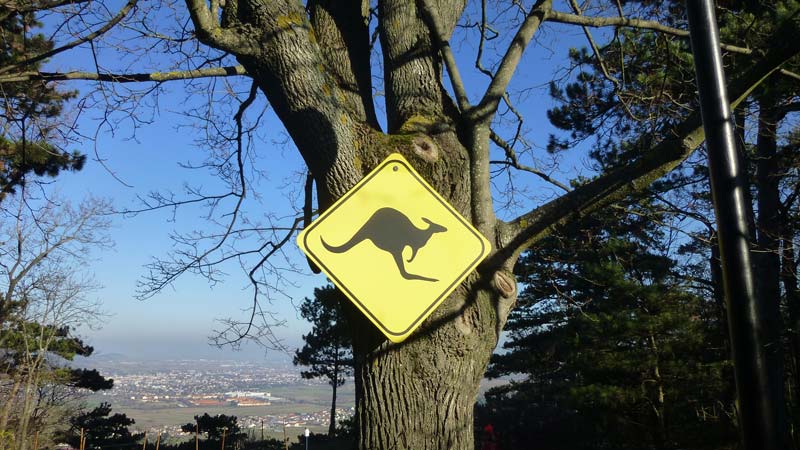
(394, 246)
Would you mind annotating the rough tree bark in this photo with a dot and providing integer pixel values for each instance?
(312, 63)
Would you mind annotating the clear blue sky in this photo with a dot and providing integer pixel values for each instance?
(177, 322)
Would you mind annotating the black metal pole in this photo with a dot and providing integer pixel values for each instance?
(758, 416)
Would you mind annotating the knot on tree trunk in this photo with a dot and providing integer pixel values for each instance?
(504, 284)
(464, 324)
(425, 148)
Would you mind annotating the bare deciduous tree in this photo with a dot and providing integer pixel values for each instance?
(45, 297)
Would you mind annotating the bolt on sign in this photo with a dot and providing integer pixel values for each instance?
(394, 246)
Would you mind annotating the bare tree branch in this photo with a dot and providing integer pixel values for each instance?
(488, 104)
(601, 63)
(255, 308)
(598, 22)
(16, 6)
(126, 77)
(165, 275)
(484, 25)
(447, 54)
(88, 38)
(513, 161)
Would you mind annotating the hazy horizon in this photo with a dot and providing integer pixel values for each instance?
(156, 350)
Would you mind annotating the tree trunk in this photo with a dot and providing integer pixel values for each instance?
(10, 401)
(335, 385)
(790, 286)
(27, 409)
(716, 280)
(768, 259)
(420, 394)
(660, 434)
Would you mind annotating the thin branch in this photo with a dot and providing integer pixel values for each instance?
(251, 274)
(790, 74)
(600, 62)
(15, 6)
(156, 283)
(10, 7)
(513, 161)
(675, 209)
(483, 26)
(430, 16)
(88, 38)
(497, 88)
(126, 77)
(599, 22)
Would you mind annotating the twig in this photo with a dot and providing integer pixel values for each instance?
(513, 161)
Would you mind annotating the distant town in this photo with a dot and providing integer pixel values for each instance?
(163, 395)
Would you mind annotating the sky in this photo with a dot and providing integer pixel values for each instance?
(178, 321)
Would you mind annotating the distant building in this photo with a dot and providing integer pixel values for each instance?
(251, 402)
(248, 394)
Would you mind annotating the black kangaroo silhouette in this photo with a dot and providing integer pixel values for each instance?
(391, 231)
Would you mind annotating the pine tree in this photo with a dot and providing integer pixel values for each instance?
(100, 429)
(217, 427)
(31, 111)
(613, 344)
(327, 350)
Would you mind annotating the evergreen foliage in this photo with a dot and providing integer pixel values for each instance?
(101, 429)
(31, 111)
(215, 426)
(613, 346)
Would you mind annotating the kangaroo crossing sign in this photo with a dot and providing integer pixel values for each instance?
(394, 246)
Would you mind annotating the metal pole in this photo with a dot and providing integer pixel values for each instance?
(758, 411)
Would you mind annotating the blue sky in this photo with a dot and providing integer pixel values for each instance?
(178, 321)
